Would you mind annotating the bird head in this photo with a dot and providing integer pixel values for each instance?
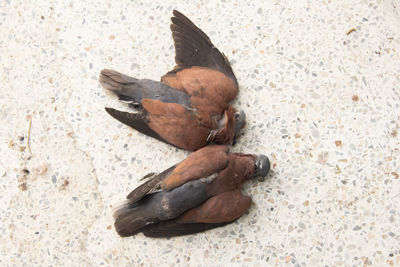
(261, 167)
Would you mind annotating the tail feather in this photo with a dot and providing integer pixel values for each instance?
(131, 219)
(135, 90)
(129, 224)
(125, 87)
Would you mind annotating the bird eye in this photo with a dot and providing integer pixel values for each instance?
(237, 115)
(255, 167)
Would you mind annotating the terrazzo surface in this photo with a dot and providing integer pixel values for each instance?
(319, 82)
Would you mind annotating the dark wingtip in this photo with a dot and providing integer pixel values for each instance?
(105, 73)
(176, 12)
(110, 110)
(116, 114)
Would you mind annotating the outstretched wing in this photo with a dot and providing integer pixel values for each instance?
(194, 48)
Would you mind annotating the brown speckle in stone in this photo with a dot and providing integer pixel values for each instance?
(64, 185)
(337, 170)
(354, 98)
(303, 105)
(394, 133)
(338, 142)
(25, 171)
(23, 186)
(297, 135)
(11, 143)
(112, 37)
(350, 31)
(109, 227)
(306, 203)
(395, 174)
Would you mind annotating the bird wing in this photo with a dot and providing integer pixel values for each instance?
(176, 124)
(137, 121)
(224, 207)
(172, 228)
(201, 70)
(194, 48)
(149, 186)
(215, 212)
(199, 164)
(203, 163)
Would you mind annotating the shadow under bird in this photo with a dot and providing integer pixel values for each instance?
(190, 107)
(200, 193)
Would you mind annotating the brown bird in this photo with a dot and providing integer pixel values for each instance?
(200, 193)
(189, 108)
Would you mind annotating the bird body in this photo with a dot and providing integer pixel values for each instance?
(190, 107)
(200, 193)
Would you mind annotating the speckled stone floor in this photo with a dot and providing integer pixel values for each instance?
(319, 81)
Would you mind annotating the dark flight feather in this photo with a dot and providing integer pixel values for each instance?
(137, 121)
(149, 186)
(173, 228)
(194, 48)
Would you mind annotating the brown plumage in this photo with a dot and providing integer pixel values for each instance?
(200, 193)
(189, 108)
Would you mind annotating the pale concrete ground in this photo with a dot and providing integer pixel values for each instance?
(321, 103)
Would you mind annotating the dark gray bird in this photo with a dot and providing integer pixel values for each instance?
(190, 107)
(200, 193)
